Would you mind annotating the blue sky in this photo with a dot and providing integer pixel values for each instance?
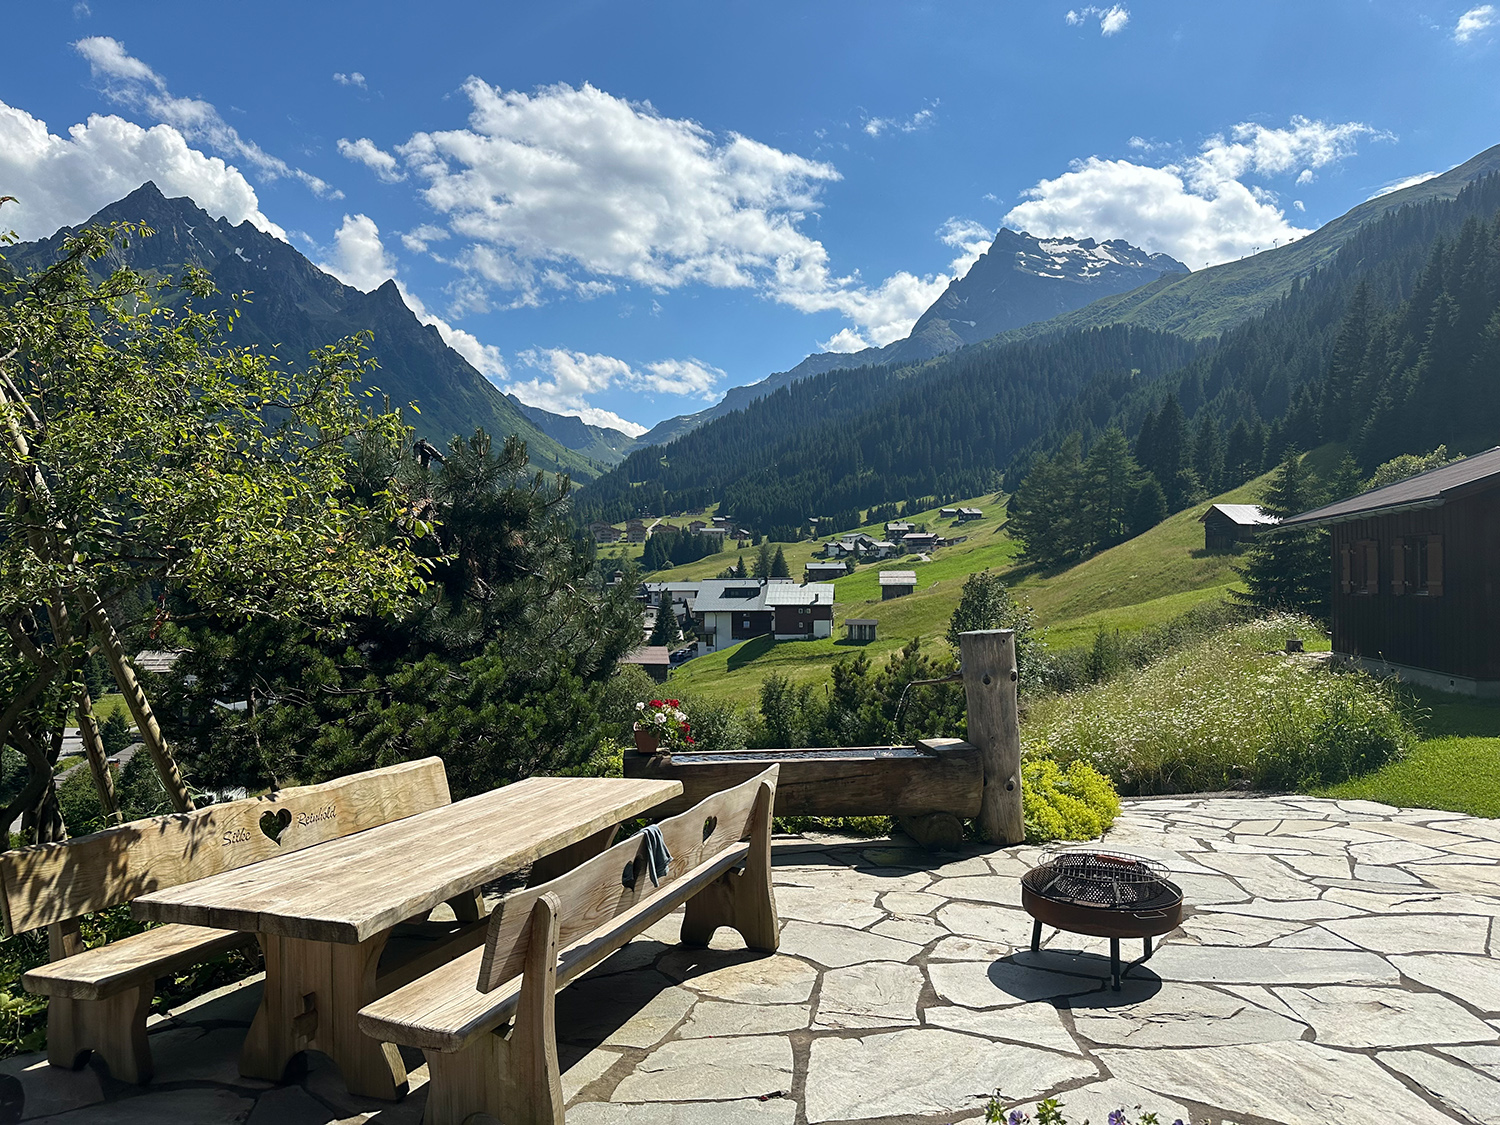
(621, 210)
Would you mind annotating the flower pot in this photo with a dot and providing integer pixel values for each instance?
(646, 742)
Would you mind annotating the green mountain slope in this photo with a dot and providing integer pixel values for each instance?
(1140, 583)
(1211, 300)
(296, 307)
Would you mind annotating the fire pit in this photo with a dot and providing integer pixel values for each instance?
(1102, 894)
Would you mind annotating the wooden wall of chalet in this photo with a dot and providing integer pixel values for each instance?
(1455, 632)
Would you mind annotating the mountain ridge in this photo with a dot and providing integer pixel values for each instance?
(1020, 279)
(295, 306)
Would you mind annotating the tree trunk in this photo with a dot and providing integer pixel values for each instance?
(140, 709)
(93, 745)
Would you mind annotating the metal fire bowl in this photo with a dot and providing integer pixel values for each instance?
(1100, 921)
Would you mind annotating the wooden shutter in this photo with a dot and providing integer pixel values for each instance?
(1346, 563)
(1372, 566)
(1435, 565)
(1398, 566)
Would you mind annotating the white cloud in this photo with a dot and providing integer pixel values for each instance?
(1306, 176)
(1405, 182)
(61, 181)
(418, 240)
(360, 259)
(570, 378)
(1474, 22)
(131, 82)
(682, 377)
(875, 126)
(353, 78)
(1197, 209)
(1297, 203)
(843, 341)
(969, 238)
(365, 151)
(1112, 20)
(580, 185)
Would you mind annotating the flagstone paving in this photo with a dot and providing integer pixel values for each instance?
(1339, 965)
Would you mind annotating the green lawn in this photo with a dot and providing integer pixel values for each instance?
(1138, 584)
(107, 705)
(1456, 767)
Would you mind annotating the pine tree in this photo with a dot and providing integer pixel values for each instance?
(1347, 480)
(1108, 485)
(763, 561)
(1346, 366)
(1289, 569)
(779, 568)
(664, 632)
(1149, 505)
(1208, 455)
(739, 569)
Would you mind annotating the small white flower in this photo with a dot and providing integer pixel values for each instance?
(640, 706)
(682, 716)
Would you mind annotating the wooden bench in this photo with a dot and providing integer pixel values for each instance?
(100, 997)
(542, 938)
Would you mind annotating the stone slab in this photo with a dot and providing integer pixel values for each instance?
(744, 978)
(1474, 1095)
(837, 946)
(1291, 1083)
(714, 1018)
(1474, 980)
(1345, 1016)
(710, 1070)
(1415, 933)
(925, 1071)
(993, 984)
(650, 1025)
(875, 994)
(1032, 1025)
(1176, 1015)
(1207, 964)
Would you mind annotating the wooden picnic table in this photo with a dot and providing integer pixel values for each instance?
(324, 914)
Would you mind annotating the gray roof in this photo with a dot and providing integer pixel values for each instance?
(813, 593)
(1425, 490)
(648, 654)
(1246, 515)
(821, 566)
(861, 621)
(898, 577)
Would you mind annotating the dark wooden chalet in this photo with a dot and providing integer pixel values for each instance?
(1416, 575)
(1226, 525)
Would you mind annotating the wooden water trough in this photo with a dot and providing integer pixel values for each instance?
(930, 788)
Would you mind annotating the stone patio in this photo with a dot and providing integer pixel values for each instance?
(1339, 966)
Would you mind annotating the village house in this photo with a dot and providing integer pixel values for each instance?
(1227, 525)
(967, 515)
(604, 532)
(655, 659)
(861, 629)
(729, 610)
(1413, 576)
(948, 513)
(816, 571)
(665, 527)
(897, 583)
(635, 531)
(915, 541)
(895, 529)
(713, 533)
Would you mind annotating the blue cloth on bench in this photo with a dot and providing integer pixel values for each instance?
(657, 856)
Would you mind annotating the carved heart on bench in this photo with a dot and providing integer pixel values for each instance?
(274, 824)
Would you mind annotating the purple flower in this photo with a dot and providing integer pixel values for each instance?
(1018, 1118)
(1117, 1117)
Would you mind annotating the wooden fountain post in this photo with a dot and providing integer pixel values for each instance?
(990, 678)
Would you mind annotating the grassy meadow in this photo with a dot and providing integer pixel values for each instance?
(1144, 582)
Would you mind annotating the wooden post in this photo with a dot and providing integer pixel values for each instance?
(989, 663)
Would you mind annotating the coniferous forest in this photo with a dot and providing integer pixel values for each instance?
(1389, 347)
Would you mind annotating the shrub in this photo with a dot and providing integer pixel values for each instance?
(1072, 803)
(1226, 712)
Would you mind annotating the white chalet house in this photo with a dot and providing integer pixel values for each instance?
(729, 610)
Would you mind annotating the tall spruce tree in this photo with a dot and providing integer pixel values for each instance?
(1108, 485)
(779, 567)
(1289, 569)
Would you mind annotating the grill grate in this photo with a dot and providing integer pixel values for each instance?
(1104, 880)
